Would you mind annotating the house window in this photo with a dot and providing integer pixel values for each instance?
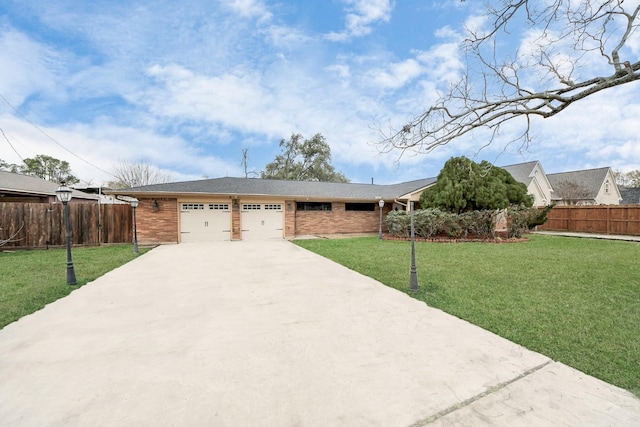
(219, 206)
(273, 207)
(192, 206)
(360, 207)
(251, 207)
(606, 187)
(313, 206)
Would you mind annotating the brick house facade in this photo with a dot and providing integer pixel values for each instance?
(300, 208)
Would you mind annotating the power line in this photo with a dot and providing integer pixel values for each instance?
(51, 138)
(11, 145)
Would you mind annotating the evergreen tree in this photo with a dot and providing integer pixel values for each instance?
(464, 185)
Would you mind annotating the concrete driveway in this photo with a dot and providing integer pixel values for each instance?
(268, 334)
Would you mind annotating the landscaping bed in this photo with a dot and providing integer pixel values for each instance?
(499, 238)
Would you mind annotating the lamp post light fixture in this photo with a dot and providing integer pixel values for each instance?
(413, 277)
(63, 193)
(134, 205)
(381, 206)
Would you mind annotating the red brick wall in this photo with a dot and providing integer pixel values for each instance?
(289, 218)
(338, 220)
(159, 226)
(236, 231)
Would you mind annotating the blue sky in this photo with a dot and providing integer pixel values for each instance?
(186, 86)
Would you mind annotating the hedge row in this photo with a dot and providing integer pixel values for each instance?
(433, 222)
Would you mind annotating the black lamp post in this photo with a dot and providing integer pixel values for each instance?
(413, 279)
(381, 206)
(63, 193)
(134, 205)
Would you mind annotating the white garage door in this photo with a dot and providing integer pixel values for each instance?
(205, 222)
(261, 221)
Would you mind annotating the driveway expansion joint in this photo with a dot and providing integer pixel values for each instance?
(479, 396)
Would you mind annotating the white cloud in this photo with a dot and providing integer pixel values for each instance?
(361, 15)
(92, 149)
(237, 101)
(248, 8)
(443, 63)
(395, 75)
(28, 67)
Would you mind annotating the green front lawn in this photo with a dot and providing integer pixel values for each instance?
(29, 280)
(575, 300)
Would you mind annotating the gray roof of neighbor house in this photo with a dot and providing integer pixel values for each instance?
(630, 196)
(17, 184)
(591, 179)
(267, 187)
(522, 171)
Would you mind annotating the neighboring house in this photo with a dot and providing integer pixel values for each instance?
(24, 188)
(249, 208)
(105, 199)
(585, 187)
(630, 196)
(532, 175)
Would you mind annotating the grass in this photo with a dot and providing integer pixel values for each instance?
(575, 300)
(33, 279)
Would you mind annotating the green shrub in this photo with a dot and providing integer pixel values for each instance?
(540, 217)
(428, 222)
(399, 223)
(522, 218)
(479, 223)
(452, 227)
(434, 222)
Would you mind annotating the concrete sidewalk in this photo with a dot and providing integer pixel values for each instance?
(268, 334)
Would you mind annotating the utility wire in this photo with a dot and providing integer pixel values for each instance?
(10, 144)
(51, 138)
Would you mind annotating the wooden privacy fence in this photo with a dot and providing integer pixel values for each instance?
(611, 219)
(41, 225)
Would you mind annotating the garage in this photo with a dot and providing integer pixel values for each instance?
(204, 222)
(262, 221)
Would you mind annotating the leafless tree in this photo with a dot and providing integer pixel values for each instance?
(629, 179)
(245, 156)
(572, 50)
(571, 193)
(131, 174)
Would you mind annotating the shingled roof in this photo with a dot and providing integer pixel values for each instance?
(590, 180)
(522, 171)
(24, 185)
(630, 196)
(267, 187)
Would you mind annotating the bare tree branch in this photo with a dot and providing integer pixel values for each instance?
(130, 174)
(542, 78)
(11, 238)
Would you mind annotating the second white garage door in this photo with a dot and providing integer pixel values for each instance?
(205, 222)
(261, 221)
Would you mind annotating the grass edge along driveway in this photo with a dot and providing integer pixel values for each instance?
(32, 279)
(576, 301)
